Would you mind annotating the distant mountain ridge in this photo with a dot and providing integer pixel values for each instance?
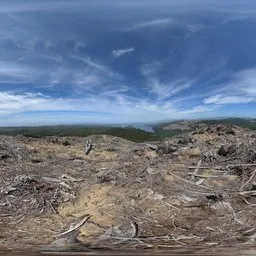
(188, 125)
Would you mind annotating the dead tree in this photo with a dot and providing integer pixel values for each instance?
(88, 147)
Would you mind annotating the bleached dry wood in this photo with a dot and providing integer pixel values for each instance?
(253, 174)
(202, 176)
(135, 228)
(242, 165)
(151, 146)
(193, 175)
(88, 147)
(69, 178)
(216, 168)
(189, 182)
(77, 226)
(252, 192)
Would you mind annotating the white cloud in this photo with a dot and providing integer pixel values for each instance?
(110, 108)
(31, 6)
(15, 73)
(162, 90)
(121, 52)
(240, 90)
(94, 64)
(166, 90)
(151, 23)
(220, 100)
(15, 103)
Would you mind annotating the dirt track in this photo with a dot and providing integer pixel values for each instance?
(194, 190)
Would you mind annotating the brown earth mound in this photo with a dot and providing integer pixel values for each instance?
(197, 189)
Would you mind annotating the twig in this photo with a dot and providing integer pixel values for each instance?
(69, 178)
(65, 185)
(220, 167)
(42, 210)
(202, 167)
(77, 226)
(52, 207)
(201, 175)
(168, 204)
(248, 202)
(177, 241)
(242, 165)
(5, 215)
(199, 182)
(253, 174)
(193, 175)
(253, 192)
(15, 223)
(142, 238)
(189, 182)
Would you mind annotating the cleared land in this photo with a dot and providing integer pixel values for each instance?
(195, 189)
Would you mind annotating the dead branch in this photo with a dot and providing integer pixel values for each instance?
(193, 175)
(17, 222)
(135, 228)
(242, 165)
(170, 205)
(52, 207)
(200, 181)
(69, 178)
(77, 226)
(202, 167)
(153, 147)
(252, 192)
(189, 182)
(49, 179)
(253, 174)
(220, 167)
(248, 202)
(202, 176)
(65, 185)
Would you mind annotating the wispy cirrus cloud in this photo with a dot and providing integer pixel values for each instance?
(121, 52)
(166, 88)
(221, 99)
(151, 23)
(31, 6)
(15, 73)
(240, 89)
(118, 106)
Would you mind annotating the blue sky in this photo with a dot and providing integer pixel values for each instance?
(119, 61)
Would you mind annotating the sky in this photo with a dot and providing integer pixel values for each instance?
(120, 61)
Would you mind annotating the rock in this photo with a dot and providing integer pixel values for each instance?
(254, 185)
(223, 150)
(191, 152)
(66, 143)
(185, 141)
(231, 131)
(251, 156)
(5, 156)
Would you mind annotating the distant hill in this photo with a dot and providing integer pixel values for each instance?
(189, 125)
(130, 133)
(136, 134)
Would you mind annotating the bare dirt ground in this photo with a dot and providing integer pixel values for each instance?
(194, 190)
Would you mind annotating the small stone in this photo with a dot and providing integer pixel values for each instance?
(254, 185)
(223, 151)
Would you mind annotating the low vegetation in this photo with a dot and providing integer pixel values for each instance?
(130, 133)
